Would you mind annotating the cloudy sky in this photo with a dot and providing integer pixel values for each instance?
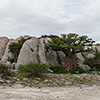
(38, 17)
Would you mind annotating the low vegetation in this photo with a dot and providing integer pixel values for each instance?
(31, 70)
(5, 71)
(35, 74)
(60, 70)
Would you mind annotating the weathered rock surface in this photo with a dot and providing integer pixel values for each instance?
(9, 54)
(25, 37)
(33, 50)
(96, 47)
(3, 43)
(85, 55)
(81, 60)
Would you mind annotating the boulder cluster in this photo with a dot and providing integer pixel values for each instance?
(33, 50)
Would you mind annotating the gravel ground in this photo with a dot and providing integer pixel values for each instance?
(78, 92)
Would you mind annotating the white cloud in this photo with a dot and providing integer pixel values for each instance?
(37, 17)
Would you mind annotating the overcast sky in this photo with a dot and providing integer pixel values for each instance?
(38, 17)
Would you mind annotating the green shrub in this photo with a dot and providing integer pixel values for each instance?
(49, 36)
(11, 59)
(96, 55)
(5, 71)
(89, 62)
(78, 71)
(59, 69)
(31, 70)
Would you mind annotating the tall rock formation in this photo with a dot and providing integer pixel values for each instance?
(33, 50)
(9, 54)
(3, 44)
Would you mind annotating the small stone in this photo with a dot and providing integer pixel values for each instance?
(18, 82)
(78, 76)
(38, 78)
(24, 79)
(18, 79)
(50, 71)
(45, 80)
(8, 81)
(39, 87)
(68, 83)
(14, 77)
(77, 72)
(1, 81)
(35, 81)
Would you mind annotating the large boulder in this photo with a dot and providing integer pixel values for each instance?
(9, 54)
(81, 60)
(85, 55)
(33, 50)
(3, 44)
(25, 37)
(96, 47)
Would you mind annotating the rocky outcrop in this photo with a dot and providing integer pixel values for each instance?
(9, 54)
(85, 55)
(33, 50)
(96, 47)
(25, 37)
(3, 44)
(81, 60)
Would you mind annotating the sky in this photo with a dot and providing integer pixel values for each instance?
(39, 17)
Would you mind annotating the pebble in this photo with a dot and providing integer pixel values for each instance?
(46, 81)
(1, 81)
(68, 83)
(8, 81)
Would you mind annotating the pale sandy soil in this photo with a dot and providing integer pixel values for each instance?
(83, 92)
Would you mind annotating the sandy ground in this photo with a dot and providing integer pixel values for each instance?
(83, 92)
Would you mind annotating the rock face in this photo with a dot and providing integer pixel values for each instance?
(84, 55)
(33, 50)
(25, 37)
(81, 60)
(9, 54)
(3, 44)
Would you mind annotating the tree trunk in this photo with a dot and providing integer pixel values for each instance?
(70, 62)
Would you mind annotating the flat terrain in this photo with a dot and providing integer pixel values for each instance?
(78, 92)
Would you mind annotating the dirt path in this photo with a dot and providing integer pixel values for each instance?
(51, 93)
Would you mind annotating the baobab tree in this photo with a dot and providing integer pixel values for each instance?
(70, 44)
